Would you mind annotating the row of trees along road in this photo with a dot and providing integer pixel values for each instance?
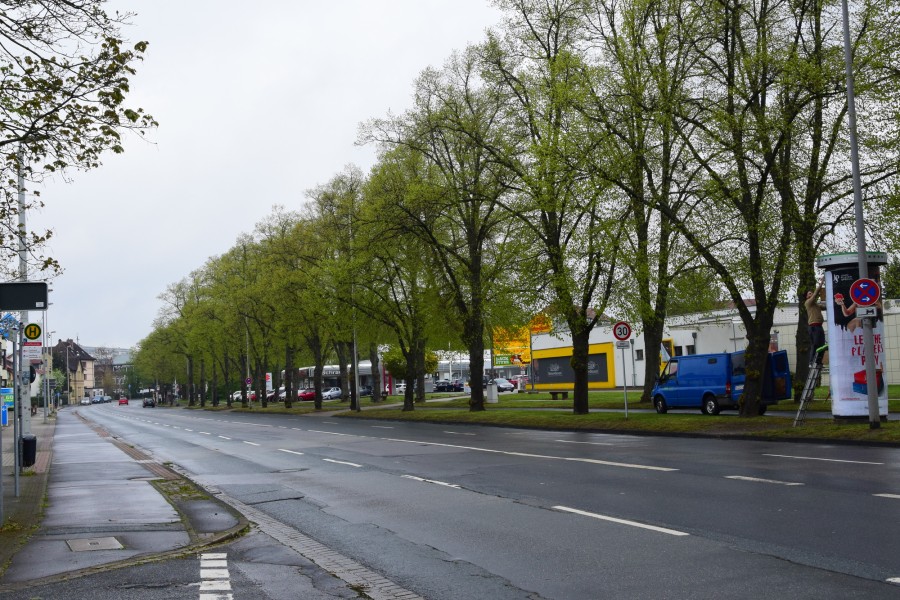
(589, 157)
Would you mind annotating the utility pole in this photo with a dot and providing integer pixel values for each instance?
(25, 397)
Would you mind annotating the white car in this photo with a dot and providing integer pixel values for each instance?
(85, 401)
(331, 393)
(400, 389)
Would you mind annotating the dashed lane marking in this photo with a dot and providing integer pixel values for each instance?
(761, 480)
(341, 462)
(423, 480)
(893, 496)
(290, 451)
(837, 460)
(591, 443)
(251, 443)
(620, 521)
(214, 576)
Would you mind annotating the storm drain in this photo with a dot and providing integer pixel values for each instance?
(89, 544)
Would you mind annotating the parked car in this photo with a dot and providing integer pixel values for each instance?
(332, 393)
(712, 382)
(400, 389)
(272, 396)
(504, 385)
(443, 386)
(307, 394)
(365, 390)
(149, 403)
(122, 400)
(85, 401)
(97, 400)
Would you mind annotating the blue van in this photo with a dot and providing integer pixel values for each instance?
(712, 382)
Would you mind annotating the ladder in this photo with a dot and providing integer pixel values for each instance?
(809, 390)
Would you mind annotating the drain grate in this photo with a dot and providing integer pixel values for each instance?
(90, 544)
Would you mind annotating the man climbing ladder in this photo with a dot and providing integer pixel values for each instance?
(809, 390)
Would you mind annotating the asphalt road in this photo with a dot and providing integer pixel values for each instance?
(479, 512)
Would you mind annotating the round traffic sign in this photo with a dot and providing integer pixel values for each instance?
(248, 381)
(32, 331)
(622, 330)
(865, 292)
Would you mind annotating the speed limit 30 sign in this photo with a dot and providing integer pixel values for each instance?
(622, 331)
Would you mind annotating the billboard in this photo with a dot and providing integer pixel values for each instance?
(846, 351)
(512, 347)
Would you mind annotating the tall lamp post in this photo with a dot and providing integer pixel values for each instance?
(868, 335)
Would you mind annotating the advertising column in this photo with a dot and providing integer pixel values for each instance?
(846, 350)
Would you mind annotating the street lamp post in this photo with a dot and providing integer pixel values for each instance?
(868, 334)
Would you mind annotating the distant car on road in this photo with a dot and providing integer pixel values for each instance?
(149, 403)
(85, 401)
(123, 400)
(504, 385)
(332, 393)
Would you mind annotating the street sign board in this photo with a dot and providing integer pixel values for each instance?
(866, 311)
(31, 351)
(623, 345)
(23, 295)
(865, 292)
(32, 331)
(622, 330)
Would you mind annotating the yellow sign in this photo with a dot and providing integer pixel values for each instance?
(32, 331)
(511, 347)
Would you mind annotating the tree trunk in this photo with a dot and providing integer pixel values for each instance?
(244, 359)
(289, 393)
(755, 357)
(203, 385)
(653, 332)
(376, 372)
(190, 385)
(579, 362)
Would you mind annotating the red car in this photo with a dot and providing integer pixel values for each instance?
(123, 400)
(307, 394)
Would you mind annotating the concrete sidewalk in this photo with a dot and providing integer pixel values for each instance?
(101, 507)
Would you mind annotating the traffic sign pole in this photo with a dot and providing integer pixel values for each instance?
(622, 331)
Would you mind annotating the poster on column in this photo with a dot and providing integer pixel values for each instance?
(846, 349)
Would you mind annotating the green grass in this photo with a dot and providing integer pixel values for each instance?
(531, 411)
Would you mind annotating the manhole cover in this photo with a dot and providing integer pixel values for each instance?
(88, 544)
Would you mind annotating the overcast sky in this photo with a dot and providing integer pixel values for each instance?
(257, 103)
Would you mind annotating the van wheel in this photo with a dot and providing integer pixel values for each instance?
(660, 403)
(710, 405)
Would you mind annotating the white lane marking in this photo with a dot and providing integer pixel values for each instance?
(591, 443)
(528, 455)
(186, 429)
(458, 433)
(204, 433)
(206, 563)
(855, 462)
(214, 573)
(214, 576)
(452, 485)
(290, 451)
(381, 427)
(331, 433)
(894, 580)
(251, 443)
(760, 480)
(341, 462)
(893, 496)
(224, 438)
(331, 422)
(620, 521)
(215, 585)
